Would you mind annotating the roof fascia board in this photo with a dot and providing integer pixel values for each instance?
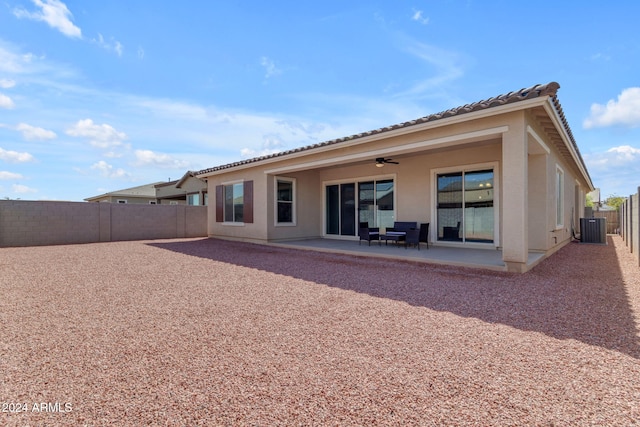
(447, 121)
(398, 149)
(557, 122)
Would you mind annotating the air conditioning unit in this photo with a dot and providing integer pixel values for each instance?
(593, 230)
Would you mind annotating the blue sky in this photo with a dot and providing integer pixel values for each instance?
(103, 95)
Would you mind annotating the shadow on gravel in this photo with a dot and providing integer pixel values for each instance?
(578, 293)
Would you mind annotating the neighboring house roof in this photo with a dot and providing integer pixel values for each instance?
(184, 178)
(537, 91)
(178, 182)
(166, 184)
(147, 190)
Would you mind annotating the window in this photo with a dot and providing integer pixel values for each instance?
(193, 199)
(234, 202)
(122, 201)
(152, 202)
(285, 201)
(559, 197)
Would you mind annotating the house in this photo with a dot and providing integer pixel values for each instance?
(189, 190)
(504, 173)
(145, 194)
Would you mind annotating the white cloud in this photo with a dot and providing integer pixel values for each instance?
(140, 53)
(270, 67)
(625, 152)
(617, 168)
(13, 61)
(53, 12)
(162, 160)
(23, 189)
(419, 17)
(33, 133)
(6, 102)
(101, 136)
(175, 110)
(9, 175)
(108, 171)
(447, 66)
(113, 45)
(7, 83)
(14, 156)
(625, 111)
(271, 144)
(613, 158)
(600, 57)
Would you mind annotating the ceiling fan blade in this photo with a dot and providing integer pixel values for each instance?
(382, 160)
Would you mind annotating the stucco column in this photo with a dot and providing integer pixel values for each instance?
(515, 234)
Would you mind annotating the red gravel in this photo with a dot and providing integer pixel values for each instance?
(208, 332)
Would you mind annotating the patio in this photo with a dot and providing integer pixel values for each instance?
(436, 254)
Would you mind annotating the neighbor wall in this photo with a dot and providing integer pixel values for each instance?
(630, 224)
(38, 223)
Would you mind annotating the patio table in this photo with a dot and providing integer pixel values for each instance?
(394, 236)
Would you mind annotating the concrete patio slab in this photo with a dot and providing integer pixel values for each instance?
(446, 255)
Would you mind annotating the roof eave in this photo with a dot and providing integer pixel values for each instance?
(417, 127)
(555, 115)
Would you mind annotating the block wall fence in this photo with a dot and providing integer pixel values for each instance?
(39, 223)
(630, 224)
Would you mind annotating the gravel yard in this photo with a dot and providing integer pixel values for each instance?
(208, 332)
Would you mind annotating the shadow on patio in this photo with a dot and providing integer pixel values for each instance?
(579, 293)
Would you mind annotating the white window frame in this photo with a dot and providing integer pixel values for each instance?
(121, 201)
(153, 202)
(356, 181)
(294, 197)
(559, 197)
(433, 229)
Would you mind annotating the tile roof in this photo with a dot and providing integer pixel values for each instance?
(549, 89)
(146, 190)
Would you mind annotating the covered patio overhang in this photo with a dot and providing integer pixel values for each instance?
(397, 151)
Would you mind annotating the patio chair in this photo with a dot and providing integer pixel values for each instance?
(412, 238)
(451, 233)
(424, 233)
(368, 233)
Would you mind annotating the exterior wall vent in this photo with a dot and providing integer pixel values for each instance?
(593, 230)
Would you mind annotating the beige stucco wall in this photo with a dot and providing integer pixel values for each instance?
(37, 223)
(308, 201)
(133, 200)
(413, 178)
(256, 231)
(525, 180)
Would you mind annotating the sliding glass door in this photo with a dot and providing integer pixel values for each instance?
(465, 210)
(372, 200)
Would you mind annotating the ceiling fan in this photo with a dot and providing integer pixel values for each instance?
(381, 161)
